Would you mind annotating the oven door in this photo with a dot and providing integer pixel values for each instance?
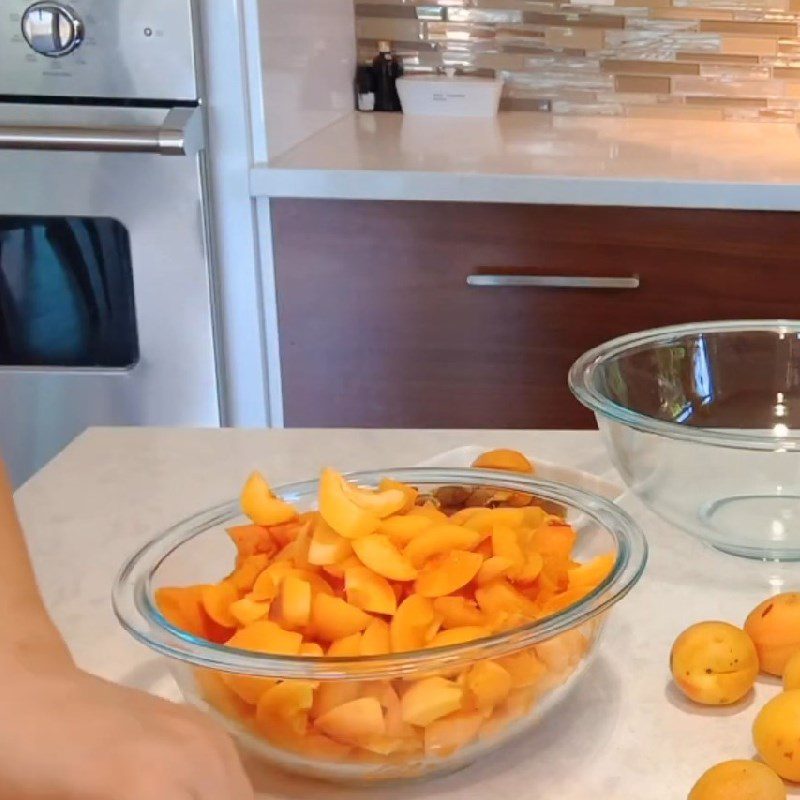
(106, 311)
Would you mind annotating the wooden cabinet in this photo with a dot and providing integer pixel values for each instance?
(379, 328)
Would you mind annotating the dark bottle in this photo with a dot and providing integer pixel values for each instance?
(387, 68)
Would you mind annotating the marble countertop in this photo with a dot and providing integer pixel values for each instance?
(540, 158)
(623, 733)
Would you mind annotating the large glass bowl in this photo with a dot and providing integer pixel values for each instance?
(703, 423)
(546, 656)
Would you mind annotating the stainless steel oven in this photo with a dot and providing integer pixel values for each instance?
(106, 290)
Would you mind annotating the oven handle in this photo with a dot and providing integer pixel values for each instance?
(181, 134)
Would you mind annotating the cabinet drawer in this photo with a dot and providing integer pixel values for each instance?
(379, 327)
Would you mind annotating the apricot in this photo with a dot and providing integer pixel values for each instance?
(776, 733)
(293, 607)
(410, 493)
(262, 506)
(448, 573)
(247, 610)
(332, 694)
(714, 663)
(445, 736)
(375, 641)
(525, 668)
(505, 544)
(326, 546)
(218, 695)
(248, 687)
(453, 636)
(402, 530)
(489, 684)
(251, 540)
(266, 637)
(248, 570)
(339, 510)
(311, 650)
(411, 621)
(791, 672)
(458, 612)
(334, 618)
(439, 539)
(287, 702)
(587, 577)
(369, 591)
(738, 780)
(509, 460)
(350, 722)
(377, 552)
(346, 647)
(774, 627)
(183, 608)
(430, 699)
(500, 596)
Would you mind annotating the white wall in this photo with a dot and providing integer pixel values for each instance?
(308, 66)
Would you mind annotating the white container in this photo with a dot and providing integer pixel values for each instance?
(445, 96)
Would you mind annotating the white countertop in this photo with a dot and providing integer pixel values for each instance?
(624, 732)
(539, 158)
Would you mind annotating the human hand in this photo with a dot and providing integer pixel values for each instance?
(67, 735)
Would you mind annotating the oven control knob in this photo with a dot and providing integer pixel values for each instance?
(52, 29)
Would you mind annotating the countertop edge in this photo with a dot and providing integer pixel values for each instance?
(275, 182)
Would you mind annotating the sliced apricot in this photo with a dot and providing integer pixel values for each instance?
(264, 636)
(377, 552)
(266, 585)
(375, 640)
(332, 694)
(247, 611)
(460, 517)
(489, 684)
(247, 571)
(252, 540)
(217, 599)
(590, 575)
(457, 612)
(524, 667)
(500, 596)
(339, 510)
(431, 512)
(448, 573)
(554, 540)
(357, 720)
(493, 568)
(410, 493)
(217, 694)
(410, 623)
(430, 699)
(287, 702)
(485, 520)
(334, 618)
(183, 608)
(403, 529)
(448, 735)
(326, 546)
(311, 650)
(510, 460)
(439, 539)
(294, 603)
(248, 687)
(452, 636)
(380, 503)
(346, 647)
(530, 570)
(369, 591)
(262, 506)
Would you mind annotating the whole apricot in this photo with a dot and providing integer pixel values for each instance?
(714, 663)
(791, 673)
(774, 627)
(776, 733)
(739, 780)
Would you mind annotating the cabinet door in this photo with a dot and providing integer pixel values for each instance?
(379, 327)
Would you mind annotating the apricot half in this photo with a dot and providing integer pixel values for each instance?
(776, 733)
(260, 504)
(774, 627)
(739, 780)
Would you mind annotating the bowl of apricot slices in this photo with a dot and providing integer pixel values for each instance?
(384, 625)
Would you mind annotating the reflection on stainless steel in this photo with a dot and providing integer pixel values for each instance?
(96, 215)
(52, 29)
(181, 134)
(553, 281)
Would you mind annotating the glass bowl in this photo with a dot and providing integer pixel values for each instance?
(702, 421)
(544, 658)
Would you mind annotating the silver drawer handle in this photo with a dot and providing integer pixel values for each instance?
(180, 134)
(553, 281)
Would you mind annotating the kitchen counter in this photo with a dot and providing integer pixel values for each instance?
(624, 733)
(539, 158)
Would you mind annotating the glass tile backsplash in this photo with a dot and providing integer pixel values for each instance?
(693, 59)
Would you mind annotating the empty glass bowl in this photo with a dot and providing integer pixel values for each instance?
(703, 423)
(544, 658)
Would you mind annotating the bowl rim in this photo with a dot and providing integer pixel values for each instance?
(135, 608)
(582, 384)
